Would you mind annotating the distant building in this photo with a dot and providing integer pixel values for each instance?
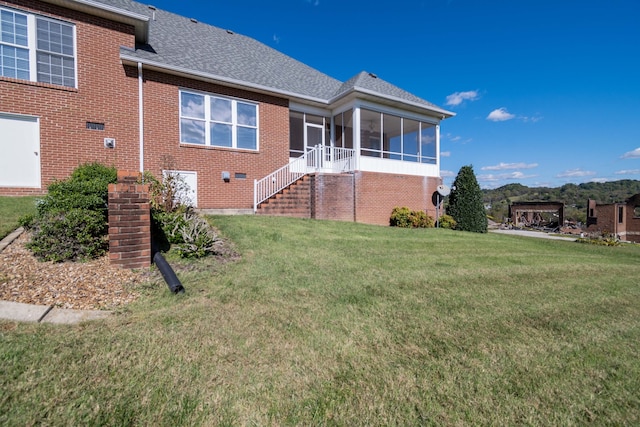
(530, 213)
(621, 219)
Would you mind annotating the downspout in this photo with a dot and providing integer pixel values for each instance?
(140, 117)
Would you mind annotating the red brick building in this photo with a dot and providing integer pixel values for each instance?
(620, 219)
(128, 85)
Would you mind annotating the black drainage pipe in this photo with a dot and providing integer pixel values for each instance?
(167, 273)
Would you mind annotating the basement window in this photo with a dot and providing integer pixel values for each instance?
(95, 126)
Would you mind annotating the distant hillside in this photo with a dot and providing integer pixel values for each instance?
(573, 196)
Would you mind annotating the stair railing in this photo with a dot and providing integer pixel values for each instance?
(320, 157)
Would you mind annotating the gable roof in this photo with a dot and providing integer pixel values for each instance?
(181, 45)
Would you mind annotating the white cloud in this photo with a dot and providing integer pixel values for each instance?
(445, 154)
(504, 176)
(533, 119)
(575, 173)
(459, 97)
(313, 2)
(628, 172)
(635, 154)
(500, 115)
(447, 174)
(506, 166)
(600, 180)
(276, 38)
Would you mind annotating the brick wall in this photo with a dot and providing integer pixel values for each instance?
(106, 93)
(332, 197)
(378, 193)
(164, 151)
(129, 222)
(632, 222)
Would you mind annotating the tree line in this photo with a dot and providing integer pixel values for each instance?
(574, 196)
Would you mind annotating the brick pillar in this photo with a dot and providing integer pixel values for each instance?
(129, 222)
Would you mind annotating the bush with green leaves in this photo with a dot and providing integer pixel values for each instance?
(175, 222)
(199, 239)
(446, 221)
(407, 218)
(71, 220)
(74, 234)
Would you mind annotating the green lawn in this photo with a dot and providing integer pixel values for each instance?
(329, 323)
(11, 209)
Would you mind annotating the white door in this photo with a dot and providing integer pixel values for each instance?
(19, 151)
(188, 187)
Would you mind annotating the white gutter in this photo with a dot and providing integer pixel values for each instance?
(96, 8)
(140, 117)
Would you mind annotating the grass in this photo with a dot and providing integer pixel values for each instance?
(329, 323)
(11, 209)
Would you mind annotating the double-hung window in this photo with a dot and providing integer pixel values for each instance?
(207, 119)
(36, 48)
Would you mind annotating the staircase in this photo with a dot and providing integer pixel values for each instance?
(287, 191)
(293, 201)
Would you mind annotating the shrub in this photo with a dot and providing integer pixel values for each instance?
(447, 221)
(406, 218)
(69, 235)
(465, 202)
(199, 238)
(71, 220)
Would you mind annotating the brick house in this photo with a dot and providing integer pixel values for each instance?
(246, 126)
(620, 219)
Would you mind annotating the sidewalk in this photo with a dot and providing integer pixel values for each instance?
(21, 312)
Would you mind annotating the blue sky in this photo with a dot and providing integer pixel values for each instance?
(545, 92)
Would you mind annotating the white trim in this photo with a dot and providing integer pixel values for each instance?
(208, 120)
(400, 167)
(141, 117)
(379, 108)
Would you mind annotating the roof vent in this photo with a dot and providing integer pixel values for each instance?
(229, 32)
(153, 12)
(194, 20)
(152, 7)
(373, 75)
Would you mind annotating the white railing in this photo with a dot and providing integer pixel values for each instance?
(320, 158)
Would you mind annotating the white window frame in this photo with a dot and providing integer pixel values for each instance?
(32, 44)
(208, 120)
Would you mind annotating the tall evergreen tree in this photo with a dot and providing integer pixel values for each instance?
(465, 202)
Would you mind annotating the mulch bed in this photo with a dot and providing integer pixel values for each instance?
(94, 285)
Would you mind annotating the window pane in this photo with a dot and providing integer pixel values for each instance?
(247, 114)
(191, 105)
(296, 134)
(192, 131)
(348, 128)
(14, 62)
(428, 143)
(220, 135)
(410, 147)
(369, 132)
(247, 138)
(221, 110)
(392, 135)
(337, 123)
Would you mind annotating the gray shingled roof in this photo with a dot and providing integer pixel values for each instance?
(177, 42)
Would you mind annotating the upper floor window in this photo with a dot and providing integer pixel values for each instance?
(222, 122)
(36, 48)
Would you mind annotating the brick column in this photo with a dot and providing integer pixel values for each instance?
(129, 222)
